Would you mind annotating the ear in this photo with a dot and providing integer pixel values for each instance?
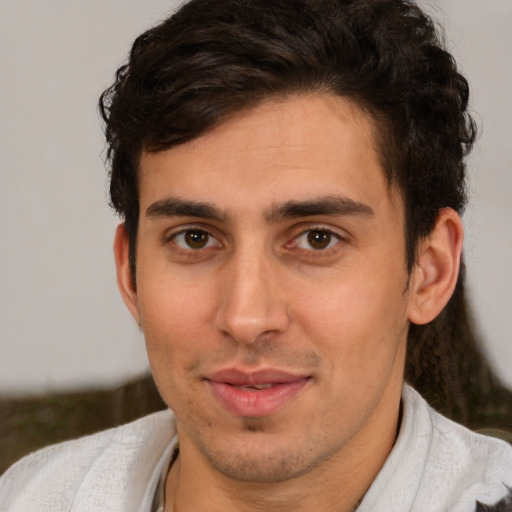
(436, 270)
(124, 276)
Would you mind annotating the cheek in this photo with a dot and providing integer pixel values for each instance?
(173, 320)
(172, 307)
(357, 323)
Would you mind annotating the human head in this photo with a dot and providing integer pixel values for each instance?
(257, 306)
(213, 59)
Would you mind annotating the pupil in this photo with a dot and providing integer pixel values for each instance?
(319, 239)
(196, 238)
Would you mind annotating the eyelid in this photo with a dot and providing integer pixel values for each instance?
(305, 228)
(172, 233)
(181, 228)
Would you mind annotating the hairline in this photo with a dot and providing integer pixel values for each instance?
(379, 125)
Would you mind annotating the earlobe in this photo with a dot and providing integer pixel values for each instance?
(123, 271)
(436, 270)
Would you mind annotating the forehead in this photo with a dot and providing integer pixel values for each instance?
(284, 149)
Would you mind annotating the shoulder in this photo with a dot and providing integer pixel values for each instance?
(463, 465)
(105, 463)
(457, 445)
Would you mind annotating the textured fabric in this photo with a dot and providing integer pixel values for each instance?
(435, 466)
(114, 471)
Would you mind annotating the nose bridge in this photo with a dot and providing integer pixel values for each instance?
(251, 302)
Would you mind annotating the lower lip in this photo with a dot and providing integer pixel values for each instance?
(255, 403)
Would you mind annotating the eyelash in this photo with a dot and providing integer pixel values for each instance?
(184, 249)
(334, 239)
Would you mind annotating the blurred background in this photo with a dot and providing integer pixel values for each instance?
(63, 326)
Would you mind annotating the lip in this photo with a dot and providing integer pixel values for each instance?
(235, 392)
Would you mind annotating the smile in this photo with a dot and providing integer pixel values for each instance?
(256, 394)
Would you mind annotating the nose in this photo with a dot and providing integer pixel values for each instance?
(252, 302)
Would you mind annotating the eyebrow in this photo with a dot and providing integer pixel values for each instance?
(173, 207)
(327, 205)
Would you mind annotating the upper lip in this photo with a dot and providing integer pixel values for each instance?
(236, 377)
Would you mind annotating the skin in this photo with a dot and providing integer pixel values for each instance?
(250, 283)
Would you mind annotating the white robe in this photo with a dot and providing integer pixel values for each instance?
(435, 466)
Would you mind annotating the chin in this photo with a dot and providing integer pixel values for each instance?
(261, 461)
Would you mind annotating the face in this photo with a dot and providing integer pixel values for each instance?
(272, 289)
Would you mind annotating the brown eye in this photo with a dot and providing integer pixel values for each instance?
(196, 239)
(193, 242)
(318, 239)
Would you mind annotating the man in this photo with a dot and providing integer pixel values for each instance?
(290, 174)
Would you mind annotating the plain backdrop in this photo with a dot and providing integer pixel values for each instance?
(62, 322)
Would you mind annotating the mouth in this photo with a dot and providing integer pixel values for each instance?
(256, 387)
(255, 394)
